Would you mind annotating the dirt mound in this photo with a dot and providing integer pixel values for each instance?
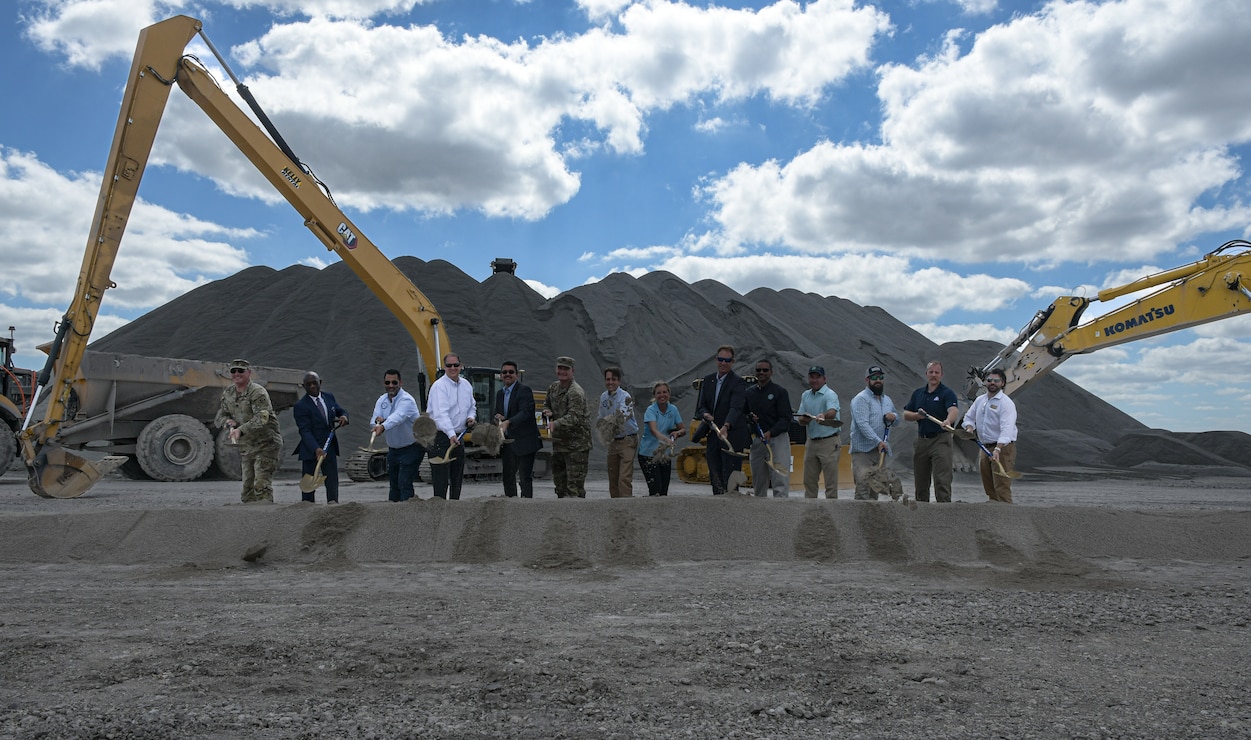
(1160, 447)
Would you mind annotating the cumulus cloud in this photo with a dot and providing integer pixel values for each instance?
(1075, 134)
(164, 253)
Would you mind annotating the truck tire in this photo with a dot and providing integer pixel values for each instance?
(176, 447)
(8, 447)
(227, 463)
(364, 466)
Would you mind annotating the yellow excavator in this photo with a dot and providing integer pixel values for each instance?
(160, 62)
(1213, 288)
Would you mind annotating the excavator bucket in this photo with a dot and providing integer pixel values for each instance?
(59, 473)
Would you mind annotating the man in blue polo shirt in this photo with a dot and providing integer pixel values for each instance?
(932, 456)
(818, 409)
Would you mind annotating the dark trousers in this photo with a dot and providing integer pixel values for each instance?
(720, 463)
(656, 474)
(402, 464)
(330, 469)
(447, 476)
(518, 467)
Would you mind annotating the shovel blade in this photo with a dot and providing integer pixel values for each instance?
(310, 483)
(59, 473)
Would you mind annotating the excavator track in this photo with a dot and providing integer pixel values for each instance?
(363, 466)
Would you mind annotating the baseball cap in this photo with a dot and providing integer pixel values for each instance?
(816, 370)
(874, 370)
(564, 361)
(239, 365)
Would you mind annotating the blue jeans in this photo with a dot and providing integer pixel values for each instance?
(402, 463)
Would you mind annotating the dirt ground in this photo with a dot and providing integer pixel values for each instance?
(1091, 609)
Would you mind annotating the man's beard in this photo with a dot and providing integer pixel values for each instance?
(877, 389)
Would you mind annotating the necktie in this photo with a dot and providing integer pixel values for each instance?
(508, 392)
(322, 408)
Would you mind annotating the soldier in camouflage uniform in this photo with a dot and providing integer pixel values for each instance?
(246, 411)
(570, 426)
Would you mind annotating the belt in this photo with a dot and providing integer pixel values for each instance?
(929, 436)
(626, 436)
(828, 436)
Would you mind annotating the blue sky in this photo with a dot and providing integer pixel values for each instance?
(960, 164)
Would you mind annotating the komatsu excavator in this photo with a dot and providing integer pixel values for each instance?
(160, 63)
(1215, 287)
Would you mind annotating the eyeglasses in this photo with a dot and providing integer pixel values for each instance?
(451, 364)
(390, 382)
(508, 372)
(725, 359)
(237, 371)
(877, 377)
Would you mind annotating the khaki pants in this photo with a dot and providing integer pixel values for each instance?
(997, 487)
(861, 463)
(932, 458)
(821, 459)
(621, 466)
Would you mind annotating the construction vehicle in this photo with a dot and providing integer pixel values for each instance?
(155, 411)
(1213, 288)
(159, 63)
(16, 387)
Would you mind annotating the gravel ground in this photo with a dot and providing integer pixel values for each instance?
(309, 641)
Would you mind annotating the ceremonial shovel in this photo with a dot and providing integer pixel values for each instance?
(728, 447)
(1013, 474)
(309, 483)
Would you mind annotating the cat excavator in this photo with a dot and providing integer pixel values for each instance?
(1213, 288)
(160, 63)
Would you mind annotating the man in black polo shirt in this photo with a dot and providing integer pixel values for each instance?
(769, 408)
(932, 456)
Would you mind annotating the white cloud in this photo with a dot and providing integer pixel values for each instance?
(1076, 134)
(543, 289)
(164, 254)
(35, 326)
(943, 333)
(492, 113)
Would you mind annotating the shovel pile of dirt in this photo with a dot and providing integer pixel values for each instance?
(656, 327)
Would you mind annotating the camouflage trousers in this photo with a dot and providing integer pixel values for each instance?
(259, 465)
(569, 472)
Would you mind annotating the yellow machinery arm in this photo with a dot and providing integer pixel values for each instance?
(159, 62)
(1215, 287)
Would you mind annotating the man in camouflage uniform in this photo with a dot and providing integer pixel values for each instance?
(570, 427)
(246, 411)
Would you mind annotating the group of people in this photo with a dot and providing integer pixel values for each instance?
(736, 421)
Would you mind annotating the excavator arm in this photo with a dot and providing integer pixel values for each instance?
(1213, 288)
(159, 63)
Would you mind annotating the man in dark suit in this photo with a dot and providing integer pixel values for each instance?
(315, 415)
(722, 398)
(514, 410)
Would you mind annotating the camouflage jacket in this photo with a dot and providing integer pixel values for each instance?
(571, 422)
(254, 414)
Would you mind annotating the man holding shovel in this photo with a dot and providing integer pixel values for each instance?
(932, 456)
(316, 415)
(872, 412)
(993, 418)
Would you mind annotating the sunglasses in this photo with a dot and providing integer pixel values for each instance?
(877, 377)
(237, 371)
(725, 359)
(390, 382)
(508, 372)
(760, 370)
(451, 364)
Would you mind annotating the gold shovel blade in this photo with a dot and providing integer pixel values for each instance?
(59, 473)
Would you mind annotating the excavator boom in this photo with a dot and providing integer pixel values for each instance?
(1213, 288)
(159, 63)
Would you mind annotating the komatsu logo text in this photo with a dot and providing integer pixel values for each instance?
(292, 178)
(1146, 317)
(349, 237)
